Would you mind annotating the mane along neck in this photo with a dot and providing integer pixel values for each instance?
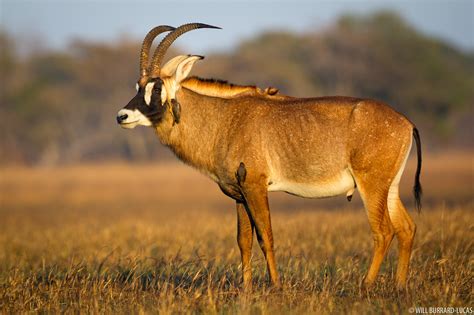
(201, 99)
(223, 89)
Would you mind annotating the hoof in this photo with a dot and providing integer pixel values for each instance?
(367, 284)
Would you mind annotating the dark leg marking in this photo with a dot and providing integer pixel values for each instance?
(241, 174)
(176, 110)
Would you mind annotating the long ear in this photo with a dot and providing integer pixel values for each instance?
(175, 71)
(169, 69)
(184, 67)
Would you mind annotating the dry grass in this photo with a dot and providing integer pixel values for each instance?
(125, 238)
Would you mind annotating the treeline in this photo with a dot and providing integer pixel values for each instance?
(60, 106)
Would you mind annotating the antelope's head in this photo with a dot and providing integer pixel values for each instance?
(156, 87)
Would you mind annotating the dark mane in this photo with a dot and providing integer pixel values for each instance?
(220, 82)
(224, 89)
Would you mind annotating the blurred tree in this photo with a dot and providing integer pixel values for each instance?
(60, 106)
(378, 56)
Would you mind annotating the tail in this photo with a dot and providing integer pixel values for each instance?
(417, 190)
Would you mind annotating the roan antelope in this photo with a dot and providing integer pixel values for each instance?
(252, 141)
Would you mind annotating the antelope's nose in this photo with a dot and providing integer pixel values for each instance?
(122, 118)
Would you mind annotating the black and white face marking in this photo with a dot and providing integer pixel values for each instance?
(145, 108)
(149, 87)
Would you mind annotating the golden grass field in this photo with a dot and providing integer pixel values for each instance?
(139, 238)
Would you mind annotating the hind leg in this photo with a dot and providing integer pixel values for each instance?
(380, 144)
(405, 230)
(402, 222)
(377, 211)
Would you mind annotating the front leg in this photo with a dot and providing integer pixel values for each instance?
(245, 229)
(256, 202)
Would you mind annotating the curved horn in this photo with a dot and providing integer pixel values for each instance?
(147, 45)
(160, 51)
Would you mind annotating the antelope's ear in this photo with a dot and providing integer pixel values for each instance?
(184, 67)
(169, 69)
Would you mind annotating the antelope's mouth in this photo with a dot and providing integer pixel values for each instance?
(129, 125)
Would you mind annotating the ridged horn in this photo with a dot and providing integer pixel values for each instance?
(147, 45)
(160, 51)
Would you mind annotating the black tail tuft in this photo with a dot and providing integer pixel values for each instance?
(417, 190)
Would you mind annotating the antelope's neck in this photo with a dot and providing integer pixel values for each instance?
(194, 138)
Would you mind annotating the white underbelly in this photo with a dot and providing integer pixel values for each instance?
(342, 183)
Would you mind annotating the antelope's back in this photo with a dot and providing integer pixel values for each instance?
(316, 137)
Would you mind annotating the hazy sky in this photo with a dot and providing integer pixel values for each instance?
(56, 22)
